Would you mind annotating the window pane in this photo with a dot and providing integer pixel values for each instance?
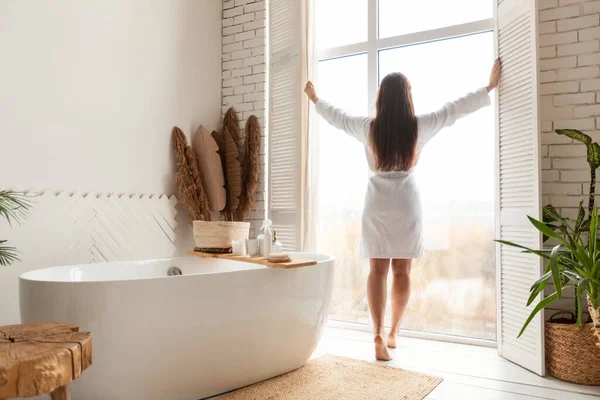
(343, 175)
(341, 22)
(454, 285)
(399, 17)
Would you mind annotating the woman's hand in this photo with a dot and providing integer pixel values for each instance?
(495, 76)
(311, 92)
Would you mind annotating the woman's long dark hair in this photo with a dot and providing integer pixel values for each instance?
(394, 132)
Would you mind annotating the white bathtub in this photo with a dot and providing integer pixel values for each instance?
(220, 326)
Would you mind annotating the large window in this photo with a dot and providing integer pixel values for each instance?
(398, 17)
(444, 54)
(343, 176)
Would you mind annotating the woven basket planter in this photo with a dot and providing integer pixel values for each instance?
(216, 237)
(572, 354)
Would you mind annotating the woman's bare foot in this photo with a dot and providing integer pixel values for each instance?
(391, 340)
(381, 349)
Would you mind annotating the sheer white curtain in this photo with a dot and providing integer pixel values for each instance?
(311, 132)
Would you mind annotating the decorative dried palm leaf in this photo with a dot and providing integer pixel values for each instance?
(211, 169)
(202, 198)
(189, 185)
(230, 121)
(233, 171)
(250, 169)
(220, 139)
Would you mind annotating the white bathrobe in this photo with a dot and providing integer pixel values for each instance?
(392, 225)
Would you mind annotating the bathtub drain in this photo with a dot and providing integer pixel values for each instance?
(174, 271)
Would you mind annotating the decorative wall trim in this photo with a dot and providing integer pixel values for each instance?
(74, 228)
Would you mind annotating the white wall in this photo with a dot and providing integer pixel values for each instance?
(90, 90)
(89, 93)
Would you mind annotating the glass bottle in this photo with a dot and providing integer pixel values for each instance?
(277, 246)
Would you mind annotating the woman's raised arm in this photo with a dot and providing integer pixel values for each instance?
(431, 124)
(357, 127)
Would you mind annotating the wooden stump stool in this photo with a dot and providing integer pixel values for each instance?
(36, 359)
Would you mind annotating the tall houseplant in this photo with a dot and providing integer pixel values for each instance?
(582, 224)
(573, 262)
(571, 352)
(13, 208)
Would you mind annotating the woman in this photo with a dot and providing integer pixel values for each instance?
(392, 231)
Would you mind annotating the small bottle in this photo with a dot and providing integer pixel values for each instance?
(268, 237)
(261, 245)
(277, 246)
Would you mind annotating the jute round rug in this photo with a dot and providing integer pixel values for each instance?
(334, 378)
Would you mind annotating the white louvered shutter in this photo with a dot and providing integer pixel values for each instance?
(287, 106)
(519, 182)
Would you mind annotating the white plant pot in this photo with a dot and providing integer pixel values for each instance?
(219, 234)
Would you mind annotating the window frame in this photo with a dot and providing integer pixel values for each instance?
(372, 47)
(374, 44)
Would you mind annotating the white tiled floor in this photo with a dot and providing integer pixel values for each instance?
(469, 372)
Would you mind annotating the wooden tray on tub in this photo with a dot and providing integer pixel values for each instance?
(295, 263)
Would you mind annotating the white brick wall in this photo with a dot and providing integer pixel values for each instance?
(570, 98)
(244, 77)
(570, 93)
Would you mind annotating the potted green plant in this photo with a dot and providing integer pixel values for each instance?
(573, 262)
(13, 208)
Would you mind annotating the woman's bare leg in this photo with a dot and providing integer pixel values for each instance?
(377, 296)
(400, 295)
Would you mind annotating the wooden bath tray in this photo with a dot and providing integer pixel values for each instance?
(295, 263)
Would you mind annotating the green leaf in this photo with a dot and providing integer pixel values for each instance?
(587, 224)
(538, 287)
(551, 226)
(577, 264)
(540, 226)
(593, 234)
(580, 253)
(581, 272)
(549, 213)
(593, 155)
(596, 270)
(543, 278)
(554, 256)
(580, 217)
(585, 227)
(527, 249)
(565, 251)
(8, 254)
(564, 227)
(573, 276)
(581, 288)
(13, 206)
(541, 305)
(576, 135)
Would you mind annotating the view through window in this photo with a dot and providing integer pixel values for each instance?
(454, 284)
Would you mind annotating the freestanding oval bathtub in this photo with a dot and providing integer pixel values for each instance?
(220, 326)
